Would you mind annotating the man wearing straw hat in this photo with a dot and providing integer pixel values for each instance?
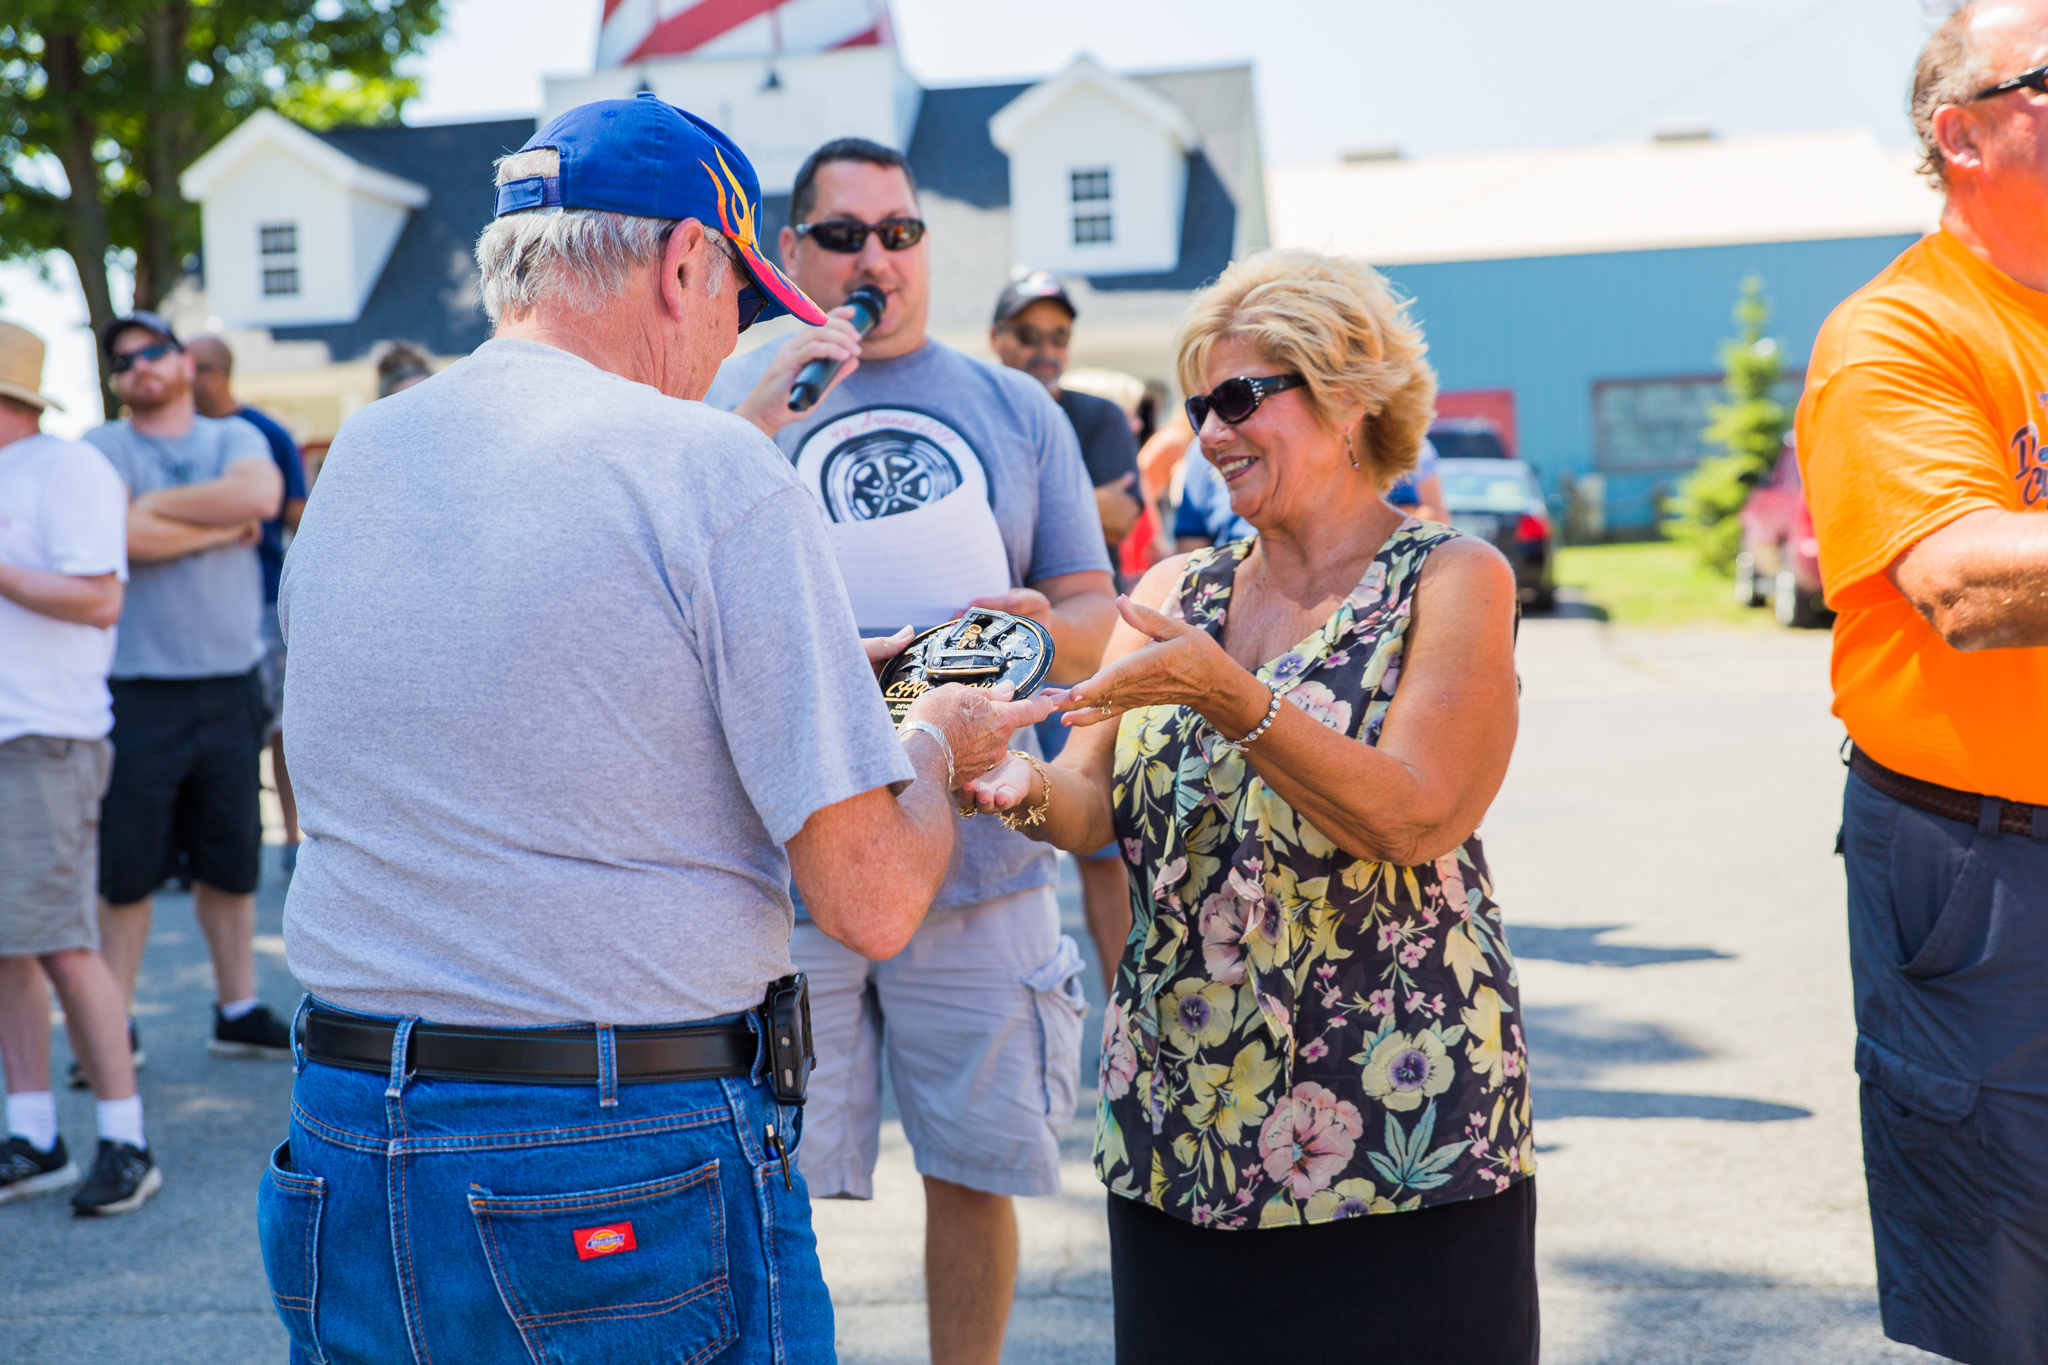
(63, 561)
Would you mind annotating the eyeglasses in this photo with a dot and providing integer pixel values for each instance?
(1236, 399)
(124, 363)
(1032, 337)
(848, 235)
(2037, 79)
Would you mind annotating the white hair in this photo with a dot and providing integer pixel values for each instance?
(579, 259)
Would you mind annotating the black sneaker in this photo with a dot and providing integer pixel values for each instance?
(259, 1033)
(26, 1170)
(80, 1081)
(122, 1177)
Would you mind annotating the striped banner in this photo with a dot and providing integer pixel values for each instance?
(636, 30)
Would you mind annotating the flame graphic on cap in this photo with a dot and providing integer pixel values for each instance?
(743, 232)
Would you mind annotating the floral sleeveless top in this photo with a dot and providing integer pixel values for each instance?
(1296, 1035)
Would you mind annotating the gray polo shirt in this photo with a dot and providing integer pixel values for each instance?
(570, 661)
(200, 616)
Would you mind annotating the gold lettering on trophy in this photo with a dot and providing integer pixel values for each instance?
(906, 689)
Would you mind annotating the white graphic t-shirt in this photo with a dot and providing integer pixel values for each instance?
(914, 461)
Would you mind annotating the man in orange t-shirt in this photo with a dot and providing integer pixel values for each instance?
(1920, 435)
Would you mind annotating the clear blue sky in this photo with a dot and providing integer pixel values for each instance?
(1442, 75)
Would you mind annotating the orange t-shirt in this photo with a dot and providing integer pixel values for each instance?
(1924, 402)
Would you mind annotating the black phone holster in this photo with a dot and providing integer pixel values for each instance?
(786, 1017)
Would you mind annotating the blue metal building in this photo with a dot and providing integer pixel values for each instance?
(1597, 285)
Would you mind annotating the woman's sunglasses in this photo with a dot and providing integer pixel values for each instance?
(848, 235)
(1236, 399)
(121, 364)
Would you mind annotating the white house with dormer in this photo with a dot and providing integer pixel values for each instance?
(1137, 189)
(300, 231)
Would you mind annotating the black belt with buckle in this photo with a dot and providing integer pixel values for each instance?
(2014, 817)
(531, 1056)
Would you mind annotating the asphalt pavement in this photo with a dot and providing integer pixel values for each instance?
(1664, 855)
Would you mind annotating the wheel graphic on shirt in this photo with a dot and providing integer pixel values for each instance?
(881, 462)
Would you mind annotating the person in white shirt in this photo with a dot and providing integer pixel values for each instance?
(63, 564)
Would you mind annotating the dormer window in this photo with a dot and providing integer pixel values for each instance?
(1088, 189)
(278, 245)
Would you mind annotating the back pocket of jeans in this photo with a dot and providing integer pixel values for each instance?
(288, 1226)
(637, 1272)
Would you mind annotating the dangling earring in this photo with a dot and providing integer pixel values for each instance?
(1347, 451)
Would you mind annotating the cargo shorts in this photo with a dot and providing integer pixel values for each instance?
(1948, 947)
(979, 1019)
(50, 792)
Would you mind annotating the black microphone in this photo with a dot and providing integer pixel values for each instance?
(867, 303)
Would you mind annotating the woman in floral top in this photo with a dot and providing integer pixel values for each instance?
(1314, 1083)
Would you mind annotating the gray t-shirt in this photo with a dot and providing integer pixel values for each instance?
(955, 408)
(200, 616)
(570, 662)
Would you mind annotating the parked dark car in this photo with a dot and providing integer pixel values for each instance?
(1501, 501)
(1779, 560)
(1467, 438)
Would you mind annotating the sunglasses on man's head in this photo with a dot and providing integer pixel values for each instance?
(2037, 80)
(848, 235)
(1057, 338)
(124, 363)
(1236, 399)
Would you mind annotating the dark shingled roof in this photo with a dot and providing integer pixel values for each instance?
(427, 293)
(950, 150)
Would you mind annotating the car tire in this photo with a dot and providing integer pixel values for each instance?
(1545, 600)
(1748, 592)
(1795, 607)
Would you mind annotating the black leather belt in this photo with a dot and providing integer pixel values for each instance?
(2014, 817)
(530, 1056)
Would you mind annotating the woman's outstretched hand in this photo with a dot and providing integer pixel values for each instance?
(978, 722)
(1180, 666)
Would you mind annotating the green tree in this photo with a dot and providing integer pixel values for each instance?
(121, 95)
(1747, 430)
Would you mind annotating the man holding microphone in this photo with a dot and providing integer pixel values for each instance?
(965, 480)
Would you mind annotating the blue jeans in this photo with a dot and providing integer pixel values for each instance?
(419, 1220)
(1948, 952)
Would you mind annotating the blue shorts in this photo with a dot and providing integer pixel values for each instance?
(451, 1221)
(1948, 949)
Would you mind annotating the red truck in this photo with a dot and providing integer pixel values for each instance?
(1779, 560)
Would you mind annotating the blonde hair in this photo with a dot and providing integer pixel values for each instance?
(1337, 323)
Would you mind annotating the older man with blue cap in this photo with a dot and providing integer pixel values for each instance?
(576, 692)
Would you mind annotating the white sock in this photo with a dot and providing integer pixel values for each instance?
(33, 1114)
(235, 1009)
(121, 1121)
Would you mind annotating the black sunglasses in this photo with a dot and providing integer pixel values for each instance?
(848, 235)
(124, 363)
(1059, 338)
(2037, 79)
(1236, 399)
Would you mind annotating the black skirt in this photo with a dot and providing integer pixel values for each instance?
(1450, 1285)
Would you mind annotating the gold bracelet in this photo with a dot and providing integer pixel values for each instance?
(1037, 814)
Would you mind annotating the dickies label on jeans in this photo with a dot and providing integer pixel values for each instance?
(609, 1240)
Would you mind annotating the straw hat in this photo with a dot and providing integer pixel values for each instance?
(21, 366)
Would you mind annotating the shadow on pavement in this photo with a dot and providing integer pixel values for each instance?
(1579, 945)
(1579, 1102)
(1652, 1312)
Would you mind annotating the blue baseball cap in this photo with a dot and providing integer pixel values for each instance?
(645, 157)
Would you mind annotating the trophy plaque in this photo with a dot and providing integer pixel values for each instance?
(980, 649)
